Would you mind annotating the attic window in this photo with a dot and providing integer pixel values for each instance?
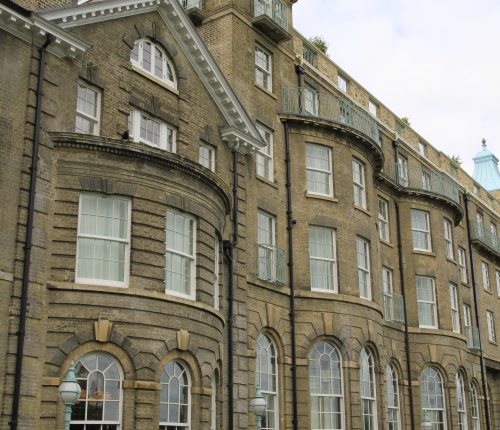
(151, 58)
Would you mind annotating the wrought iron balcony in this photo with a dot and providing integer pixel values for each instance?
(421, 179)
(194, 9)
(484, 238)
(393, 308)
(329, 107)
(271, 17)
(472, 335)
(271, 264)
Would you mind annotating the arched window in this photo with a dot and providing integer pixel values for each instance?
(151, 58)
(100, 404)
(461, 407)
(367, 391)
(325, 387)
(393, 408)
(266, 375)
(213, 403)
(474, 408)
(432, 399)
(175, 397)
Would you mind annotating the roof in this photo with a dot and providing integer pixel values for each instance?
(486, 169)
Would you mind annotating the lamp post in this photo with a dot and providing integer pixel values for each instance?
(69, 392)
(258, 406)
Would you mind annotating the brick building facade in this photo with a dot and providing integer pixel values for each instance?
(216, 205)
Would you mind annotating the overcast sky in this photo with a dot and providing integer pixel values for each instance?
(435, 61)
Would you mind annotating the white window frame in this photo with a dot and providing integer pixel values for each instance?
(430, 303)
(206, 156)
(167, 132)
(216, 273)
(331, 262)
(388, 286)
(490, 323)
(493, 231)
(448, 238)
(480, 224)
(383, 220)
(462, 264)
(426, 231)
(431, 379)
(485, 271)
(266, 245)
(310, 100)
(177, 425)
(342, 83)
(474, 408)
(95, 120)
(263, 72)
(455, 317)
(112, 239)
(359, 185)
(191, 257)
(364, 271)
(497, 277)
(372, 108)
(426, 179)
(168, 75)
(315, 170)
(273, 355)
(264, 157)
(461, 402)
(368, 400)
(394, 404)
(402, 173)
(213, 404)
(422, 149)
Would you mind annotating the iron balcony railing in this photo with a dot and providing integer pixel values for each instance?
(478, 232)
(330, 107)
(472, 335)
(191, 4)
(394, 308)
(422, 179)
(271, 264)
(274, 9)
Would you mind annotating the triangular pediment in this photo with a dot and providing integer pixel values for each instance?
(241, 133)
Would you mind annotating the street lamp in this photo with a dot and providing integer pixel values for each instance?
(258, 406)
(69, 392)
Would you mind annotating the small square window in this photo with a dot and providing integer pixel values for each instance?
(476, 189)
(342, 83)
(207, 156)
(372, 108)
(263, 68)
(422, 149)
(88, 107)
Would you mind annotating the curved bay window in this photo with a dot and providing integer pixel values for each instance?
(266, 376)
(367, 391)
(175, 400)
(100, 404)
(432, 399)
(325, 387)
(393, 408)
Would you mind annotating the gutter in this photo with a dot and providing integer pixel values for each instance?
(28, 241)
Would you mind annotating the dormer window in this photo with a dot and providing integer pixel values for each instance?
(151, 58)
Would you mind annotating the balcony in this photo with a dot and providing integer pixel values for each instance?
(332, 108)
(472, 335)
(194, 9)
(271, 264)
(394, 308)
(271, 17)
(484, 238)
(419, 179)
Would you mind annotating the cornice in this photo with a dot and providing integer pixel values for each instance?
(139, 151)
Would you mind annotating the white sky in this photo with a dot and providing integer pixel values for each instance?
(435, 61)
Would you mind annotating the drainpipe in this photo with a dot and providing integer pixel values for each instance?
(28, 241)
(407, 337)
(476, 310)
(228, 246)
(290, 224)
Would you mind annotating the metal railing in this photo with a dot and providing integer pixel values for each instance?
(422, 179)
(393, 308)
(330, 107)
(478, 232)
(472, 335)
(191, 4)
(274, 9)
(271, 264)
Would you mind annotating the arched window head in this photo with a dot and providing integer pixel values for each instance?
(474, 408)
(325, 387)
(393, 408)
(461, 407)
(266, 376)
(367, 391)
(151, 57)
(100, 404)
(432, 399)
(175, 397)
